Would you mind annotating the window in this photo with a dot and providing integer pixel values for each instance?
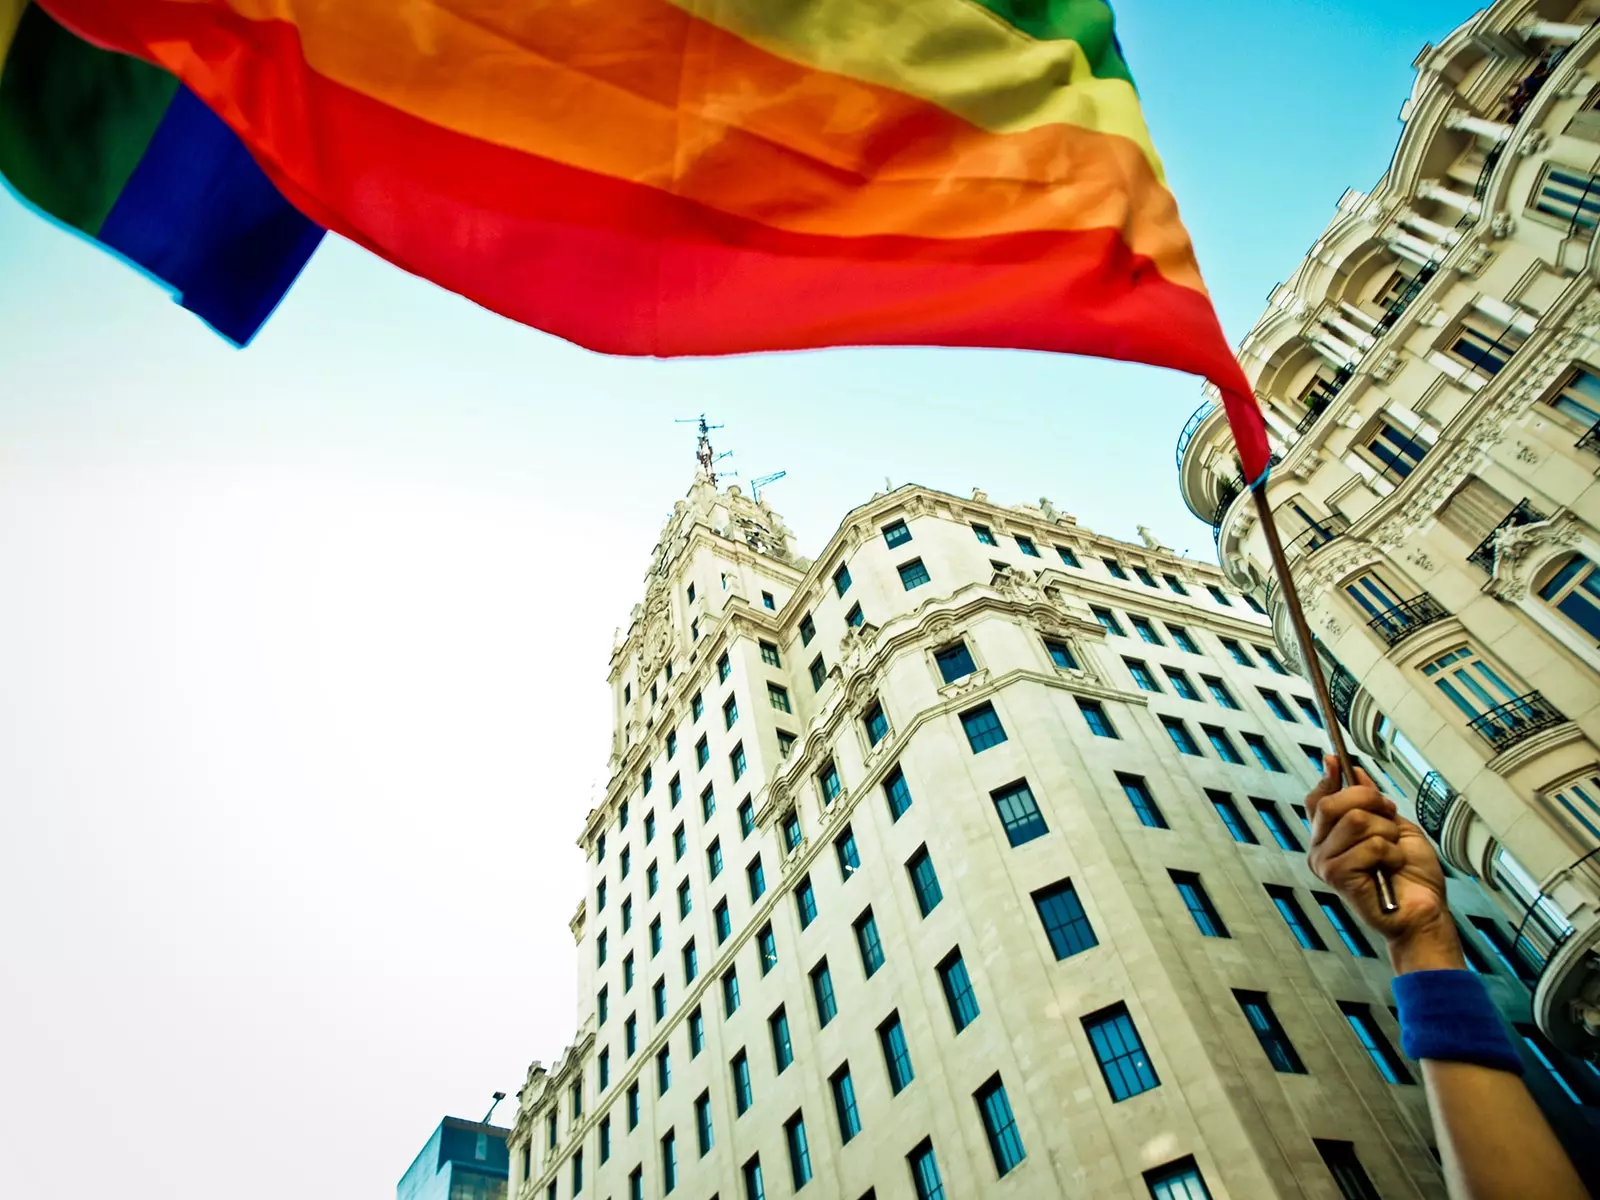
(982, 727)
(724, 924)
(896, 793)
(603, 1004)
(1276, 826)
(819, 673)
(754, 1188)
(756, 878)
(1005, 1143)
(1377, 1046)
(658, 999)
(1346, 1169)
(624, 862)
(1060, 655)
(600, 896)
(724, 668)
(782, 1046)
(875, 723)
(896, 1054)
(702, 753)
(1219, 692)
(1195, 898)
(1094, 714)
(1551, 1060)
(694, 629)
(924, 881)
(822, 993)
(1141, 675)
(828, 780)
(1310, 711)
(680, 843)
(1065, 923)
(768, 602)
(600, 949)
(652, 878)
(778, 697)
(1108, 621)
(1295, 918)
(633, 1106)
(808, 630)
(794, 1136)
(730, 991)
(1236, 652)
(805, 901)
(691, 593)
(841, 579)
(705, 1137)
(630, 1036)
(1300, 811)
(627, 693)
(627, 973)
(985, 536)
(1146, 631)
(1144, 804)
(767, 948)
(1220, 596)
(925, 1172)
(747, 817)
(844, 849)
(1026, 545)
(785, 742)
(1255, 605)
(1145, 577)
(1222, 744)
(708, 802)
(1269, 1032)
(1471, 684)
(1573, 590)
(1115, 568)
(1019, 813)
(896, 533)
(1275, 703)
(697, 1032)
(1181, 639)
(647, 779)
(1579, 398)
(1067, 556)
(550, 1130)
(769, 654)
(605, 1143)
(844, 1103)
(1349, 932)
(1231, 817)
(1477, 344)
(669, 1161)
(954, 662)
(913, 574)
(957, 987)
(1501, 946)
(600, 848)
(736, 761)
(691, 963)
(1180, 735)
(1263, 752)
(1119, 1052)
(1180, 1180)
(742, 1097)
(868, 942)
(1180, 684)
(636, 1184)
(1271, 661)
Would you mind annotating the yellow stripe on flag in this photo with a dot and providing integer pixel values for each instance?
(10, 18)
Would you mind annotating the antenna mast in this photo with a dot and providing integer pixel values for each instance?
(703, 453)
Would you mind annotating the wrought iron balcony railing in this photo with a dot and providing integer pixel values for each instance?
(1435, 799)
(1186, 435)
(1397, 307)
(1342, 689)
(1523, 514)
(1516, 720)
(1405, 618)
(1318, 535)
(1590, 441)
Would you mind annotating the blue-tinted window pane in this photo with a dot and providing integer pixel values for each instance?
(1095, 716)
(925, 1172)
(1179, 1180)
(1295, 918)
(896, 533)
(868, 942)
(897, 793)
(896, 1053)
(954, 662)
(1065, 923)
(1180, 735)
(1276, 826)
(958, 994)
(822, 992)
(1019, 813)
(805, 902)
(913, 574)
(1120, 1053)
(841, 579)
(844, 1104)
(1005, 1143)
(782, 1045)
(982, 727)
(1198, 902)
(1144, 804)
(1270, 1033)
(1061, 655)
(794, 1135)
(924, 881)
(1377, 1046)
(1228, 811)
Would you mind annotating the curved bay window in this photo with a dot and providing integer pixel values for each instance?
(1573, 590)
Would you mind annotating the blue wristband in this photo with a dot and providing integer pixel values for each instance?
(1447, 1015)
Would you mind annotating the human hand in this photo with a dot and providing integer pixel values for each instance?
(1356, 831)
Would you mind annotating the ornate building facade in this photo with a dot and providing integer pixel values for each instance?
(967, 860)
(1431, 376)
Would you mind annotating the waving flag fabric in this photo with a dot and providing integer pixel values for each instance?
(120, 151)
(714, 176)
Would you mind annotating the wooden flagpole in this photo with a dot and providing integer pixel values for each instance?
(1313, 665)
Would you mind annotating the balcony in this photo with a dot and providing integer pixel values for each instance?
(1342, 689)
(1318, 535)
(1590, 441)
(1523, 514)
(1186, 434)
(1395, 624)
(1435, 799)
(1516, 721)
(1397, 307)
(1319, 403)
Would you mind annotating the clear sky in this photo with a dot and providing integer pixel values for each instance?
(302, 649)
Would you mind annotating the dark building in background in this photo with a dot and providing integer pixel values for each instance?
(463, 1160)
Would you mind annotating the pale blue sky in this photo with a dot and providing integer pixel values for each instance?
(302, 648)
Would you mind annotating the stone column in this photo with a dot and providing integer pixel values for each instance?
(1406, 252)
(1355, 315)
(1332, 349)
(1507, 314)
(1495, 131)
(1432, 189)
(1432, 229)
(1357, 337)
(1551, 31)
(1427, 250)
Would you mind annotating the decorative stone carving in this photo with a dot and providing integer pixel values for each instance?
(1388, 364)
(1149, 539)
(1307, 466)
(1533, 142)
(1017, 585)
(1514, 545)
(1501, 226)
(1475, 260)
(1331, 626)
(967, 683)
(1526, 453)
(918, 506)
(1420, 559)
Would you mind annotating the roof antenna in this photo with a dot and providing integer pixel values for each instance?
(757, 484)
(498, 1096)
(703, 453)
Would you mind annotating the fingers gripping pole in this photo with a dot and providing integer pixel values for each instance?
(1313, 665)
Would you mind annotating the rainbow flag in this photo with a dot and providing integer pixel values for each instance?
(684, 177)
(121, 152)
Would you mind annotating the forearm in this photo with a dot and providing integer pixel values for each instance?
(1493, 1139)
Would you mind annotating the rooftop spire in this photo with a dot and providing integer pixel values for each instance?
(703, 453)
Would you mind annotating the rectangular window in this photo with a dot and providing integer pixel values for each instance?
(1295, 918)
(600, 896)
(1501, 947)
(767, 948)
(680, 843)
(747, 817)
(1180, 735)
(876, 723)
(691, 962)
(822, 993)
(1263, 752)
(1175, 583)
(954, 662)
(819, 673)
(1269, 1032)
(1144, 804)
(1108, 621)
(1236, 652)
(1005, 1143)
(1181, 639)
(1383, 1055)
(756, 877)
(1310, 710)
(896, 1054)
(636, 1184)
(724, 923)
(808, 630)
(768, 603)
(627, 973)
(1065, 923)
(1275, 703)
(1180, 1180)
(782, 1046)
(778, 697)
(785, 742)
(605, 1143)
(1060, 654)
(1121, 1055)
(603, 1004)
(896, 533)
(925, 1171)
(714, 857)
(624, 862)
(652, 879)
(633, 1106)
(854, 618)
(841, 579)
(1469, 683)
(697, 1032)
(1067, 556)
(730, 712)
(1019, 813)
(1141, 675)
(1180, 684)
(730, 991)
(896, 793)
(844, 849)
(1271, 661)
(805, 902)
(1255, 605)
(1145, 577)
(828, 780)
(1220, 596)
(924, 881)
(1553, 1062)
(913, 574)
(669, 1161)
(1146, 631)
(794, 1136)
(646, 782)
(984, 534)
(705, 1136)
(844, 1103)
(1222, 744)
(1219, 692)
(754, 1188)
(1094, 714)
(1485, 346)
(957, 987)
(1276, 825)
(1115, 568)
(868, 942)
(708, 802)
(1348, 1173)
(1344, 925)
(658, 999)
(1198, 901)
(702, 753)
(1232, 818)
(742, 1095)
(736, 761)
(724, 668)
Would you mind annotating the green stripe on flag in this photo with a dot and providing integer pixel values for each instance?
(1087, 22)
(74, 120)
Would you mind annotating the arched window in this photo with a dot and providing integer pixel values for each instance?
(1573, 589)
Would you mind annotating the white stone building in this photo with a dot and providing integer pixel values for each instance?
(965, 860)
(1431, 376)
